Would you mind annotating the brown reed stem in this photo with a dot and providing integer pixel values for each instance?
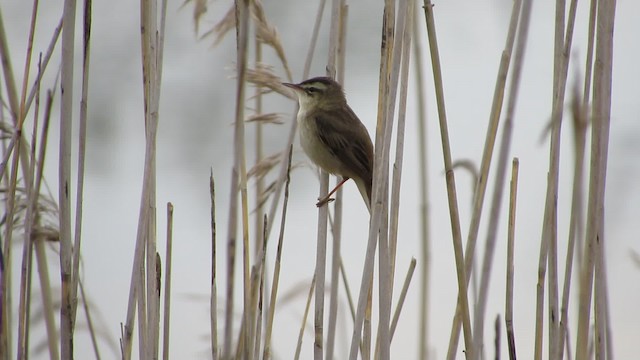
(167, 283)
(508, 311)
(450, 179)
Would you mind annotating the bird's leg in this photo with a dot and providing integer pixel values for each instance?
(327, 199)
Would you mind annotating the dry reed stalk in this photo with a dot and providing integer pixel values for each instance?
(423, 329)
(365, 345)
(595, 271)
(276, 270)
(254, 301)
(403, 296)
(336, 228)
(242, 38)
(259, 151)
(588, 71)
(585, 256)
(405, 27)
(485, 165)
(45, 62)
(151, 69)
(323, 212)
(64, 179)
(450, 179)
(213, 307)
(580, 123)
(508, 308)
(43, 268)
(90, 326)
(399, 78)
(82, 145)
(378, 203)
(147, 303)
(25, 278)
(560, 79)
(548, 255)
(498, 191)
(241, 43)
(304, 318)
(167, 283)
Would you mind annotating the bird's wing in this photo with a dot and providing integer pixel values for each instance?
(344, 138)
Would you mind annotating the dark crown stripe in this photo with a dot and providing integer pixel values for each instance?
(321, 79)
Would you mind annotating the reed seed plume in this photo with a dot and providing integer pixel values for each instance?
(266, 118)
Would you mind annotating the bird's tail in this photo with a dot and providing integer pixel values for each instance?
(365, 190)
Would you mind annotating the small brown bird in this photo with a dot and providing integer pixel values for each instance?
(332, 135)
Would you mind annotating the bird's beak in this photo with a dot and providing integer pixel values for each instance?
(292, 86)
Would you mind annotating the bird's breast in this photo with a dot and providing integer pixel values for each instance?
(315, 149)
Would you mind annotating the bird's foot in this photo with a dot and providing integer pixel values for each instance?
(324, 201)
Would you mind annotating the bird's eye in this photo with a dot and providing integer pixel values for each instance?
(312, 90)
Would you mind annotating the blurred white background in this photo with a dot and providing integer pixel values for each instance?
(195, 135)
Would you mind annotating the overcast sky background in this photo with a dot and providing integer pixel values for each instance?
(195, 133)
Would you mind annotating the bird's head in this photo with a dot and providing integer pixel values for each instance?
(318, 92)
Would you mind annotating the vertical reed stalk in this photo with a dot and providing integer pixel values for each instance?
(304, 318)
(549, 230)
(213, 309)
(594, 254)
(508, 308)
(389, 68)
(337, 223)
(25, 278)
(167, 283)
(242, 37)
(494, 214)
(82, 145)
(321, 256)
(425, 241)
(276, 270)
(450, 179)
(575, 222)
(64, 178)
(485, 165)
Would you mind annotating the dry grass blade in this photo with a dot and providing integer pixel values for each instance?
(276, 270)
(27, 250)
(45, 62)
(508, 312)
(264, 76)
(268, 118)
(264, 166)
(43, 270)
(403, 295)
(90, 325)
(199, 9)
(225, 25)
